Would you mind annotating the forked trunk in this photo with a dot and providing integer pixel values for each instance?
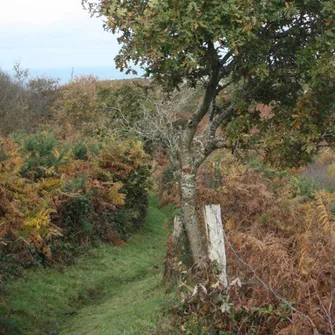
(190, 221)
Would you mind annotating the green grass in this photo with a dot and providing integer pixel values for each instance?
(110, 290)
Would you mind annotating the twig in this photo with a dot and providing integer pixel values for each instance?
(270, 289)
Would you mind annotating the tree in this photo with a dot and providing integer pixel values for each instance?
(24, 101)
(260, 52)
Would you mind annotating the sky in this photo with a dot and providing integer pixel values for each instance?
(50, 37)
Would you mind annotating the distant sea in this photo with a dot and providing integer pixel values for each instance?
(65, 74)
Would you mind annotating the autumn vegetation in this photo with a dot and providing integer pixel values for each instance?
(240, 58)
(237, 110)
(279, 237)
(244, 54)
(76, 180)
(62, 189)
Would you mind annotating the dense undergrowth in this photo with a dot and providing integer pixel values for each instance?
(279, 239)
(58, 195)
(66, 180)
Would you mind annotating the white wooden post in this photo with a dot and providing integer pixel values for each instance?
(216, 243)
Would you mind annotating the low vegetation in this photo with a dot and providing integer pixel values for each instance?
(109, 290)
(279, 238)
(66, 186)
(25, 102)
(57, 196)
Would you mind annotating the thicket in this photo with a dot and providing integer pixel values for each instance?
(69, 181)
(58, 195)
(280, 237)
(86, 103)
(94, 106)
(79, 183)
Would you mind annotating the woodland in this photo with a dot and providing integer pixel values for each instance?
(236, 109)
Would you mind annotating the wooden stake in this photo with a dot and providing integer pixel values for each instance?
(216, 243)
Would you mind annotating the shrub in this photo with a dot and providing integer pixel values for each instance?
(52, 203)
(77, 104)
(7, 326)
(43, 156)
(283, 229)
(279, 241)
(167, 175)
(80, 151)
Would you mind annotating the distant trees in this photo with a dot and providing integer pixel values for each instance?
(24, 102)
(277, 53)
(85, 103)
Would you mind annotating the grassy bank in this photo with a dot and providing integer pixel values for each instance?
(110, 290)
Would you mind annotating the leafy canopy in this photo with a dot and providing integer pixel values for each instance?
(262, 51)
(170, 38)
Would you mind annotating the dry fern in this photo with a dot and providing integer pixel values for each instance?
(322, 199)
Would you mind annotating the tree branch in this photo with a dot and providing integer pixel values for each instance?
(219, 119)
(222, 87)
(226, 68)
(208, 97)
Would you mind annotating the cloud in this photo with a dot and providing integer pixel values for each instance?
(39, 12)
(51, 34)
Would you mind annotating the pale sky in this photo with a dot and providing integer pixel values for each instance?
(54, 35)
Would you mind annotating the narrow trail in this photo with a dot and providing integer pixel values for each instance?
(111, 290)
(131, 304)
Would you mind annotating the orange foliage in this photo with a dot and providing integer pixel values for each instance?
(35, 210)
(274, 235)
(287, 241)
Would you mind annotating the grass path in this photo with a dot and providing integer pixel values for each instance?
(111, 290)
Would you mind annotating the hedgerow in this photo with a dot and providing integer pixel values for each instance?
(58, 195)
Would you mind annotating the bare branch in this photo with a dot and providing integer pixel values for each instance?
(159, 119)
(224, 86)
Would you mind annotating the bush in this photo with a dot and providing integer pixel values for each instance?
(282, 228)
(66, 188)
(77, 105)
(43, 156)
(93, 106)
(53, 203)
(80, 151)
(7, 326)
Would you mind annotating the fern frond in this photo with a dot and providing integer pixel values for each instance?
(282, 328)
(324, 217)
(114, 196)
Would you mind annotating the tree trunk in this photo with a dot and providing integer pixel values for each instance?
(190, 221)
